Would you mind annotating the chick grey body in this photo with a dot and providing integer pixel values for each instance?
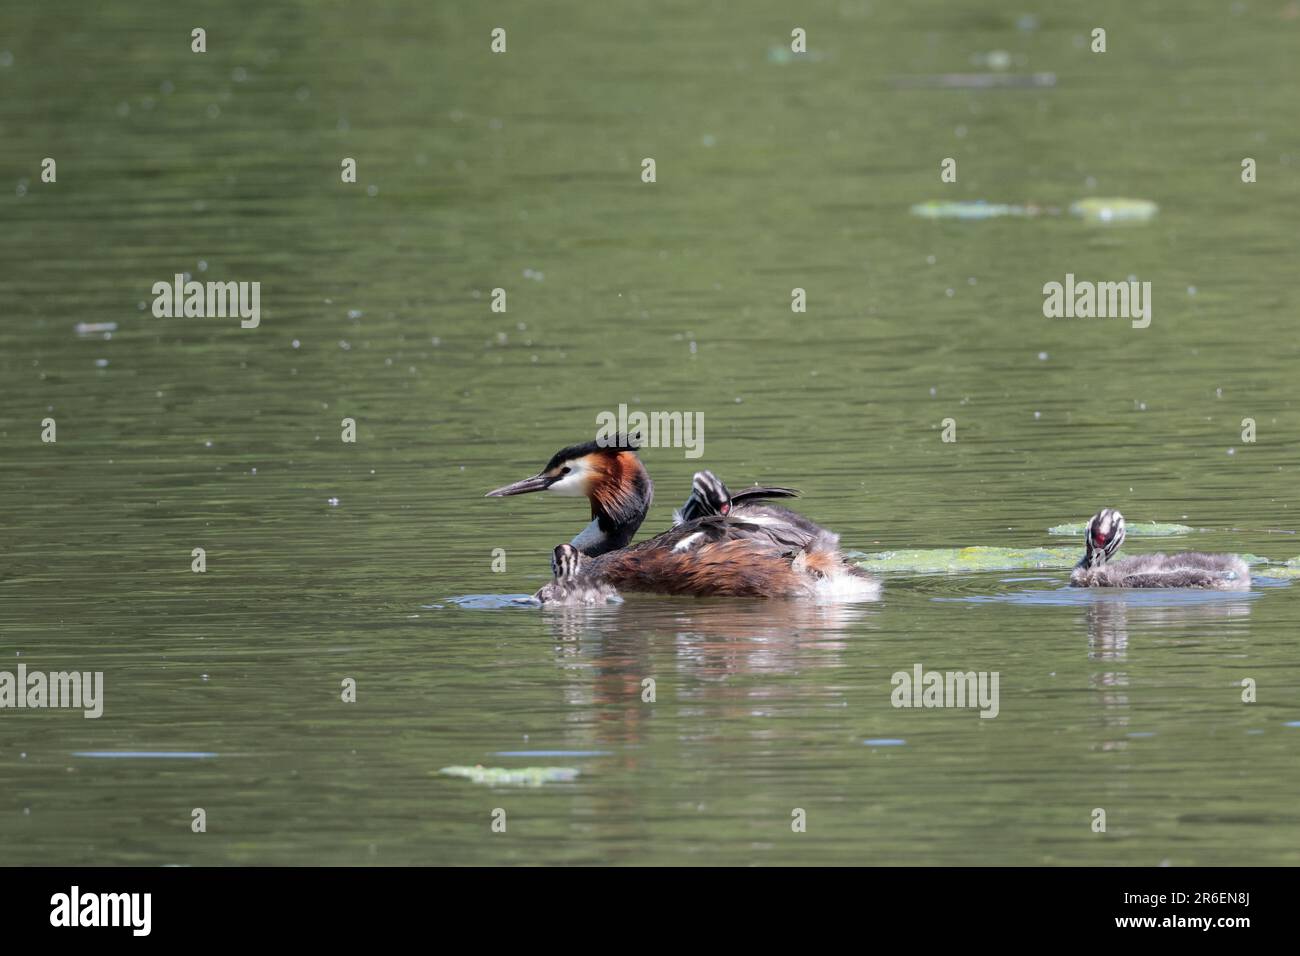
(1193, 569)
(570, 587)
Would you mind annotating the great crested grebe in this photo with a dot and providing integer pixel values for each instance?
(720, 544)
(1191, 569)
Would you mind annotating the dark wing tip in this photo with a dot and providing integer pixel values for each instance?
(757, 493)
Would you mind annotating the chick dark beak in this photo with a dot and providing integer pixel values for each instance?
(535, 483)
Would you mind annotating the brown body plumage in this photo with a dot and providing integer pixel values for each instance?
(728, 555)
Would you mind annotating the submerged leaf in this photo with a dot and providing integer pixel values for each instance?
(1134, 529)
(980, 558)
(978, 209)
(977, 558)
(513, 776)
(1291, 569)
(1114, 210)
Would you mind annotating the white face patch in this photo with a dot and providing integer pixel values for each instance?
(574, 484)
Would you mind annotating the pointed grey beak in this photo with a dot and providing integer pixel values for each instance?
(535, 483)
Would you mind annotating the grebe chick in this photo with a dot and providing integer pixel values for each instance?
(709, 496)
(737, 545)
(571, 586)
(1190, 569)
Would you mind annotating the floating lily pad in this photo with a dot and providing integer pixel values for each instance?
(513, 776)
(1135, 529)
(1289, 570)
(981, 558)
(1114, 210)
(1278, 571)
(977, 558)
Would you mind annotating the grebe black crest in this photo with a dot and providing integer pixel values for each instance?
(720, 543)
(1192, 569)
(570, 586)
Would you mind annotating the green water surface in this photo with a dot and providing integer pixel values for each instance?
(329, 561)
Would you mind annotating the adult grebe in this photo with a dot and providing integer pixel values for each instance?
(720, 544)
(1191, 569)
